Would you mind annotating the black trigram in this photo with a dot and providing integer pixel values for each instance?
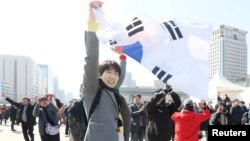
(161, 74)
(112, 42)
(135, 27)
(173, 29)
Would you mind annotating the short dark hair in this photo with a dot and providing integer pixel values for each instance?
(188, 107)
(242, 102)
(26, 98)
(138, 95)
(107, 65)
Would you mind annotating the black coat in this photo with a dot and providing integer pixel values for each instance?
(160, 116)
(31, 120)
(136, 116)
(236, 113)
(13, 113)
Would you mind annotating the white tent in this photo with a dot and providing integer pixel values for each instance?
(220, 85)
(245, 96)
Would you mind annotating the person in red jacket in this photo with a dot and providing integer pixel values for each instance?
(187, 122)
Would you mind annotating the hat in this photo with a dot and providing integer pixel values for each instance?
(43, 98)
(188, 102)
(157, 91)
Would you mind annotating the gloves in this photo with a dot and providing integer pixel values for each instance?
(167, 88)
(122, 57)
(158, 95)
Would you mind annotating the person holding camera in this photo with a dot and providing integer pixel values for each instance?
(160, 125)
(221, 116)
(47, 114)
(187, 122)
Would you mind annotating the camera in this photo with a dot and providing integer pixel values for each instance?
(223, 109)
(167, 89)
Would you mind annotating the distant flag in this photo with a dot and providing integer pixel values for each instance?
(175, 53)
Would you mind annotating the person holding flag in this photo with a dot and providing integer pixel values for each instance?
(102, 82)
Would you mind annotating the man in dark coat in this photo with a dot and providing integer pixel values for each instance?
(236, 112)
(160, 125)
(139, 121)
(27, 119)
(13, 113)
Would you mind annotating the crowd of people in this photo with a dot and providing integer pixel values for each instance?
(158, 119)
(102, 113)
(9, 112)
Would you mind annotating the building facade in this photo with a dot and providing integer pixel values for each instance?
(22, 75)
(6, 89)
(47, 79)
(128, 81)
(228, 54)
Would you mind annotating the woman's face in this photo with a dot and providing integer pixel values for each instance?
(44, 102)
(110, 77)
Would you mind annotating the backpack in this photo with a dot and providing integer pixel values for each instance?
(78, 121)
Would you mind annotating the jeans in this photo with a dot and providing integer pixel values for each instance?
(138, 136)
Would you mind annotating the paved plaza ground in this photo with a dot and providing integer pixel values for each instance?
(7, 135)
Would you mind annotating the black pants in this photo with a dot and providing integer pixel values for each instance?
(67, 127)
(1, 119)
(27, 130)
(138, 136)
(5, 121)
(12, 124)
(47, 137)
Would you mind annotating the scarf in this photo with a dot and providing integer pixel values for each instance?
(114, 90)
(117, 98)
(223, 119)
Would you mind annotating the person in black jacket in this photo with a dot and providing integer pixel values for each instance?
(27, 119)
(221, 116)
(226, 99)
(13, 113)
(139, 119)
(160, 125)
(236, 112)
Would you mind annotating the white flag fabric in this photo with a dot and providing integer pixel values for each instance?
(175, 53)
